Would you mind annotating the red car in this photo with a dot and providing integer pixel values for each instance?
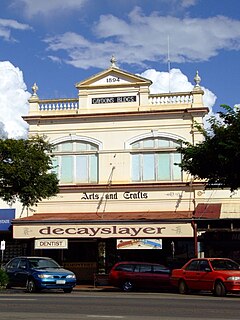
(218, 275)
(135, 275)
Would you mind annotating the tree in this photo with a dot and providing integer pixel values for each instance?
(217, 158)
(25, 171)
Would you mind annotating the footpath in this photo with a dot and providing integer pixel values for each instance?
(81, 287)
(89, 287)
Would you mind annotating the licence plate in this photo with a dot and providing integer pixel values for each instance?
(60, 281)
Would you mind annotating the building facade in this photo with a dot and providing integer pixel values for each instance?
(122, 194)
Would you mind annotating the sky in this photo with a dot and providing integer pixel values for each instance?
(58, 43)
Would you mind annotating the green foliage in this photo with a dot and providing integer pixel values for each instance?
(217, 158)
(3, 278)
(25, 171)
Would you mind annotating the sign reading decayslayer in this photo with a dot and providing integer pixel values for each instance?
(102, 231)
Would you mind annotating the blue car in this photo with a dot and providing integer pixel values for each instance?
(38, 273)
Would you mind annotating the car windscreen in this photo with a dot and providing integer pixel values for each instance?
(43, 263)
(222, 264)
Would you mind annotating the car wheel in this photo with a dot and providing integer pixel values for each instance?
(127, 286)
(219, 289)
(31, 286)
(182, 287)
(67, 290)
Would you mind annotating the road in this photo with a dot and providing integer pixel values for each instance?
(117, 305)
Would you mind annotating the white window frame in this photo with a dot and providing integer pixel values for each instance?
(155, 151)
(58, 154)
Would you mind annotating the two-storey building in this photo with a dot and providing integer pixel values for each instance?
(122, 194)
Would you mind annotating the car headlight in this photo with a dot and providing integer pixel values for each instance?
(233, 278)
(71, 276)
(45, 276)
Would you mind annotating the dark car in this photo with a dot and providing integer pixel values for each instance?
(139, 275)
(38, 273)
(218, 275)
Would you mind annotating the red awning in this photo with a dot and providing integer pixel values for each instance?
(208, 211)
(107, 216)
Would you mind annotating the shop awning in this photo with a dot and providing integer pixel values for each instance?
(212, 211)
(105, 216)
(208, 211)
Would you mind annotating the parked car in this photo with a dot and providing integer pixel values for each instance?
(218, 275)
(38, 273)
(130, 275)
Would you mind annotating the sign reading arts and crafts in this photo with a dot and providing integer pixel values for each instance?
(6, 216)
(116, 230)
(115, 195)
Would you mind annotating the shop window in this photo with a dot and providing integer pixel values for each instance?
(155, 159)
(76, 162)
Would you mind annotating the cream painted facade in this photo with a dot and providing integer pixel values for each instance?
(113, 127)
(114, 112)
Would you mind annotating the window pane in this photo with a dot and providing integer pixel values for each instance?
(135, 167)
(67, 146)
(177, 174)
(81, 169)
(148, 143)
(67, 169)
(164, 166)
(80, 146)
(55, 165)
(136, 145)
(93, 147)
(163, 143)
(148, 167)
(93, 168)
(175, 144)
(56, 148)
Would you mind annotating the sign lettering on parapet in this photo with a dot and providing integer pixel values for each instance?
(127, 195)
(102, 231)
(104, 100)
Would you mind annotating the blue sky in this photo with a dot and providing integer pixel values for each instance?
(58, 43)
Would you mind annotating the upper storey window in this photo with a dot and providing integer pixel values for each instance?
(76, 162)
(154, 159)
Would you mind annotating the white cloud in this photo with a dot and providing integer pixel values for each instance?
(14, 97)
(142, 39)
(13, 101)
(175, 81)
(47, 7)
(178, 82)
(7, 25)
(188, 3)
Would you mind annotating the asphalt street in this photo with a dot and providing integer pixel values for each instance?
(101, 305)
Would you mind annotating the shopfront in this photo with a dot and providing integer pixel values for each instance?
(93, 247)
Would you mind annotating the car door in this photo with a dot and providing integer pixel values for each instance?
(11, 270)
(204, 276)
(160, 277)
(143, 278)
(190, 275)
(22, 272)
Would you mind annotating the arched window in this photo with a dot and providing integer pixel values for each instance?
(76, 162)
(155, 159)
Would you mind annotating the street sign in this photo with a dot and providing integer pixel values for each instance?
(3, 245)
